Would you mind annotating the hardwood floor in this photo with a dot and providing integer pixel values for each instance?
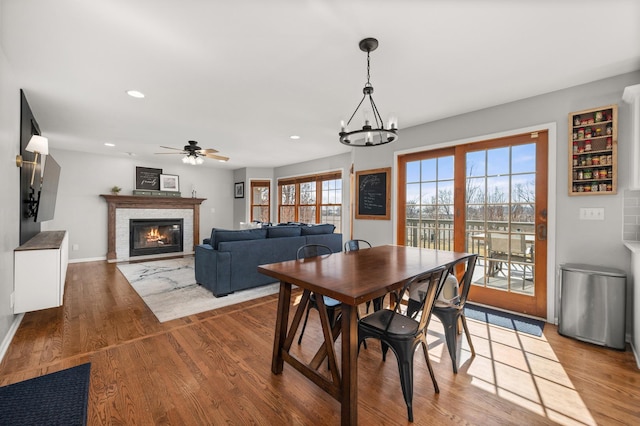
(214, 368)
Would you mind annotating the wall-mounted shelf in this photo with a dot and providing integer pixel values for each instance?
(593, 151)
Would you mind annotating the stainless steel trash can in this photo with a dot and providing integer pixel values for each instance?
(592, 304)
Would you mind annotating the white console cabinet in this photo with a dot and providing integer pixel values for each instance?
(40, 269)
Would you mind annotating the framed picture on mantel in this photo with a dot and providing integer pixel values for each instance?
(147, 178)
(169, 183)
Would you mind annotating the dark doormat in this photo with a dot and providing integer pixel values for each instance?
(504, 319)
(58, 398)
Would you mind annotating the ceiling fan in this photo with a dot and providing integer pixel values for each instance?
(193, 154)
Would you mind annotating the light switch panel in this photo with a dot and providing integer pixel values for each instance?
(592, 213)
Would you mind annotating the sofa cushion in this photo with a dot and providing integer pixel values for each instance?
(325, 228)
(223, 235)
(283, 231)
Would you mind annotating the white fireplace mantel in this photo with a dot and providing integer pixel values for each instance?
(123, 207)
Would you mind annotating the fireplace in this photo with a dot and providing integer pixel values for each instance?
(155, 236)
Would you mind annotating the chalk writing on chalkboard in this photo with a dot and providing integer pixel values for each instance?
(373, 194)
(147, 178)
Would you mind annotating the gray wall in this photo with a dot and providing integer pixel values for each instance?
(83, 213)
(572, 240)
(9, 190)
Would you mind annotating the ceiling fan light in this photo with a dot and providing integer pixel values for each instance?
(185, 159)
(199, 160)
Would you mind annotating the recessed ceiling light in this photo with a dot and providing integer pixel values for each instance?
(135, 94)
(109, 144)
(294, 137)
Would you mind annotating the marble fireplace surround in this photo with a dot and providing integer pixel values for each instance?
(121, 208)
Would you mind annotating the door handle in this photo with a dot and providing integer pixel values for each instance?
(541, 231)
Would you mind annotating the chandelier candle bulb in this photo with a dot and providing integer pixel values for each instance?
(393, 123)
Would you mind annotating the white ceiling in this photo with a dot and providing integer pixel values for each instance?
(242, 76)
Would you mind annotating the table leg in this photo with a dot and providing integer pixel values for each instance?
(349, 403)
(282, 320)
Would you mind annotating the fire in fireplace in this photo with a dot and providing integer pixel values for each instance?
(155, 236)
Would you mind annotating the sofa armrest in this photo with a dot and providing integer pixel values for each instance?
(213, 270)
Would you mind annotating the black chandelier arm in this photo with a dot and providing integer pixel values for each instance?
(356, 110)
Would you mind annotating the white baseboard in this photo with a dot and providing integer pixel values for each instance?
(87, 259)
(636, 355)
(4, 347)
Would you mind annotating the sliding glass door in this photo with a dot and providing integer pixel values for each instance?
(487, 198)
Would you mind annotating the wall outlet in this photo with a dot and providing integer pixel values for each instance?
(75, 247)
(594, 213)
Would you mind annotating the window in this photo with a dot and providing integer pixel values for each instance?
(311, 199)
(429, 202)
(261, 200)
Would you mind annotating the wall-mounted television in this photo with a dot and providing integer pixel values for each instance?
(48, 191)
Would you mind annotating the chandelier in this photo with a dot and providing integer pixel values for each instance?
(369, 135)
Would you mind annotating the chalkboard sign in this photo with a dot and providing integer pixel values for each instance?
(147, 178)
(373, 194)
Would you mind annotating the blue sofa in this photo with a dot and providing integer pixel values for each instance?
(229, 260)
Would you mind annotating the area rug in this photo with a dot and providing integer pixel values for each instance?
(58, 398)
(504, 319)
(169, 288)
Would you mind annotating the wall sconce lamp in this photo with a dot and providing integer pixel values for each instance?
(38, 145)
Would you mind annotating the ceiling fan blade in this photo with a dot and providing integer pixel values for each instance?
(168, 147)
(208, 151)
(170, 153)
(217, 157)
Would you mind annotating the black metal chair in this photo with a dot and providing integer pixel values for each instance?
(452, 312)
(403, 334)
(353, 245)
(333, 306)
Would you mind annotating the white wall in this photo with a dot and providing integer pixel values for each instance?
(591, 242)
(9, 190)
(83, 213)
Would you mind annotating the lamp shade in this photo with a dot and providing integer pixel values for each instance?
(38, 144)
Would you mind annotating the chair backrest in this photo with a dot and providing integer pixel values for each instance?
(313, 250)
(353, 245)
(464, 277)
(429, 284)
(514, 245)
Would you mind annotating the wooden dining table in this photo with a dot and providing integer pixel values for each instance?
(352, 278)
